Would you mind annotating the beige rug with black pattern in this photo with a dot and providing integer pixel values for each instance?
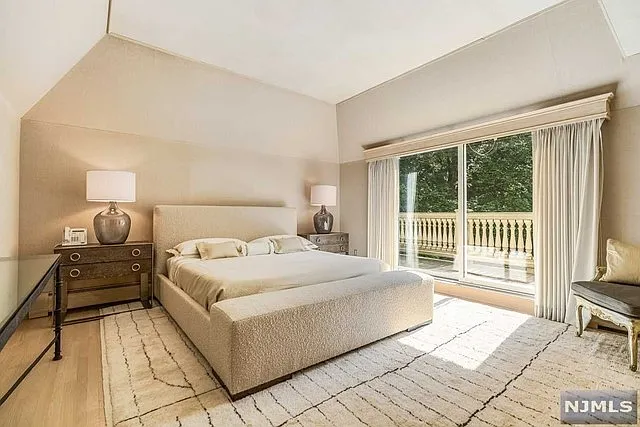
(474, 365)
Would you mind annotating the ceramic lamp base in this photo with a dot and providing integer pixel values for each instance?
(323, 221)
(112, 225)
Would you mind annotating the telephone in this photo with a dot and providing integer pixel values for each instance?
(74, 236)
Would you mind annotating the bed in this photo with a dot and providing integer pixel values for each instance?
(259, 319)
(210, 281)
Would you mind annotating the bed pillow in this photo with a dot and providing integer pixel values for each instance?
(209, 250)
(308, 245)
(288, 245)
(189, 247)
(259, 248)
(623, 263)
(176, 254)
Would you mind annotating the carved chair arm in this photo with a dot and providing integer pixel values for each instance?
(600, 271)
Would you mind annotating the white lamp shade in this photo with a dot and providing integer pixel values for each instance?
(111, 186)
(323, 195)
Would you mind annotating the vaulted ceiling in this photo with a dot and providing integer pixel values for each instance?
(42, 40)
(624, 20)
(328, 49)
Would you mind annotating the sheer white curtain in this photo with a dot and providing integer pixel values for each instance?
(567, 191)
(383, 210)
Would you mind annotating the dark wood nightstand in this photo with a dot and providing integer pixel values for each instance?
(97, 274)
(331, 242)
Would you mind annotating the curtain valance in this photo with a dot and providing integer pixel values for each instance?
(595, 107)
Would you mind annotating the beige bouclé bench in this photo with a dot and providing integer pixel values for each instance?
(261, 339)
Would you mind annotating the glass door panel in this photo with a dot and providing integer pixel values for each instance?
(428, 213)
(499, 214)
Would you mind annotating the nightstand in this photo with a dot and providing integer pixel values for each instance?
(331, 242)
(97, 274)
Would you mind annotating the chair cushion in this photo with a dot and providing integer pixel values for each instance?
(624, 299)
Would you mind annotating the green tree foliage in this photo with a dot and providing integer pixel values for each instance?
(499, 177)
(436, 181)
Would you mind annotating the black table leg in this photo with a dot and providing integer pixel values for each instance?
(54, 272)
(57, 316)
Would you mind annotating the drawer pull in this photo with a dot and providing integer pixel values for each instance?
(135, 267)
(135, 252)
(74, 273)
(74, 256)
(342, 238)
(317, 239)
(342, 248)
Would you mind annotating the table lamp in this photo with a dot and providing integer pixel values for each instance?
(111, 225)
(323, 196)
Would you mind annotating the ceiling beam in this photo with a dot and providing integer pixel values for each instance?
(108, 15)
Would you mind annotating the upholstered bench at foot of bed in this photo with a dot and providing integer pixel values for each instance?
(261, 338)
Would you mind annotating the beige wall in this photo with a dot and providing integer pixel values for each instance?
(54, 159)
(566, 50)
(192, 133)
(353, 203)
(621, 199)
(9, 178)
(125, 87)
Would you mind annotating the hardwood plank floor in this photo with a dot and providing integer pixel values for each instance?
(63, 393)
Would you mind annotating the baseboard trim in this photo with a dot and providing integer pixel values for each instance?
(521, 304)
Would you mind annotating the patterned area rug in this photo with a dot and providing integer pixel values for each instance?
(121, 308)
(474, 365)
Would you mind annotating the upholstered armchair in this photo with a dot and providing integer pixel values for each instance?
(615, 302)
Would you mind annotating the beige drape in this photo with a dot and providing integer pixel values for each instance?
(383, 207)
(567, 192)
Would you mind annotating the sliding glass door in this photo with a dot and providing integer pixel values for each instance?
(466, 213)
(499, 212)
(428, 206)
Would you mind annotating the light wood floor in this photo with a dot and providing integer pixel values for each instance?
(63, 393)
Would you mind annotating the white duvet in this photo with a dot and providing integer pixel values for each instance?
(209, 281)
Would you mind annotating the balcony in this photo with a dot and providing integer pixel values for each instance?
(499, 245)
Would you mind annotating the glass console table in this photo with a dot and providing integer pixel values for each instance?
(21, 281)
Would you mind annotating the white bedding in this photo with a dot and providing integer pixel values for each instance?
(209, 281)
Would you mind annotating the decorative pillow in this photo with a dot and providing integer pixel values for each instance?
(259, 248)
(189, 247)
(210, 250)
(287, 245)
(308, 245)
(623, 263)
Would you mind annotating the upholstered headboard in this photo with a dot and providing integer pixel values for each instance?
(173, 224)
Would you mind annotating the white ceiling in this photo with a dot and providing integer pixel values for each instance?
(40, 41)
(328, 49)
(624, 19)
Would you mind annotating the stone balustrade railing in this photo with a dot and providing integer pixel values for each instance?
(490, 234)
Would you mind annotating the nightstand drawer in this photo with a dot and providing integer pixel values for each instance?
(76, 255)
(337, 249)
(105, 270)
(76, 285)
(329, 239)
(103, 296)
